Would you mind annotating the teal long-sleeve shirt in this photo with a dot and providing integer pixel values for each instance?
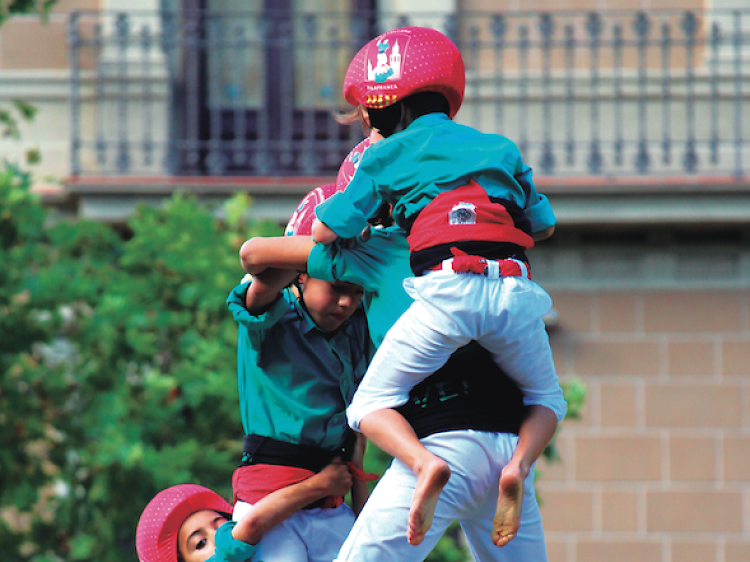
(296, 380)
(229, 549)
(433, 154)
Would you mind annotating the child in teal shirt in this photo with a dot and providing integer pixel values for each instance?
(302, 350)
(379, 265)
(470, 208)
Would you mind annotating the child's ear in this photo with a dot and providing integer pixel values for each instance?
(302, 278)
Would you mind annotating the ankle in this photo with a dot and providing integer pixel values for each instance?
(519, 466)
(432, 464)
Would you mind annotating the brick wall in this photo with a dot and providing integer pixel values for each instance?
(658, 468)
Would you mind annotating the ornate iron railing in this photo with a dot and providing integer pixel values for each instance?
(252, 93)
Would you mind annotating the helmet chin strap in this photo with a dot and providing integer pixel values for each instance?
(297, 287)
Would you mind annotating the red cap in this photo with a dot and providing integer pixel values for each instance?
(350, 165)
(403, 62)
(301, 221)
(160, 522)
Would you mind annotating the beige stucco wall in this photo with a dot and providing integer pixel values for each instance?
(658, 469)
(35, 67)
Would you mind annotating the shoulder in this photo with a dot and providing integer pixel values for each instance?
(381, 151)
(492, 139)
(282, 310)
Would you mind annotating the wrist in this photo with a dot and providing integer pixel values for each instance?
(318, 486)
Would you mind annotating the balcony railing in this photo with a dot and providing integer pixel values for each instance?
(252, 93)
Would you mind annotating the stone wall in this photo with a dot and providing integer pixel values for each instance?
(658, 468)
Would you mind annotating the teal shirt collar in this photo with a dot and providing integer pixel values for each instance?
(429, 120)
(295, 380)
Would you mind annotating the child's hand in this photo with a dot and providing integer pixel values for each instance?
(335, 478)
(322, 234)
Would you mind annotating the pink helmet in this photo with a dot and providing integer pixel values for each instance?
(350, 165)
(403, 62)
(301, 221)
(160, 522)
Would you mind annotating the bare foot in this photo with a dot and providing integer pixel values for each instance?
(508, 513)
(430, 482)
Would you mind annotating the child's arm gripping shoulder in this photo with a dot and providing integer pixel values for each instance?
(265, 289)
(346, 213)
(280, 252)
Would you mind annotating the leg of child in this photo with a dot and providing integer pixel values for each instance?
(521, 347)
(390, 431)
(531, 443)
(536, 431)
(414, 348)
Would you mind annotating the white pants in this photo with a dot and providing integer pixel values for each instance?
(313, 535)
(476, 459)
(504, 315)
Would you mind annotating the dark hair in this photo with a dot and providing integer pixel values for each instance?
(387, 120)
(383, 217)
(424, 103)
(400, 115)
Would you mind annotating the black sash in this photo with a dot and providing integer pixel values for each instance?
(266, 450)
(469, 392)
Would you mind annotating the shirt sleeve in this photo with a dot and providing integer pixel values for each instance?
(540, 214)
(229, 549)
(334, 263)
(538, 209)
(347, 212)
(262, 321)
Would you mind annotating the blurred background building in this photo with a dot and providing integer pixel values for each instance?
(634, 115)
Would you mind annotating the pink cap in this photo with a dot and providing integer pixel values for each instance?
(301, 221)
(350, 165)
(403, 62)
(160, 522)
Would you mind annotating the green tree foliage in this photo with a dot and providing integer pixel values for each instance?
(9, 7)
(118, 370)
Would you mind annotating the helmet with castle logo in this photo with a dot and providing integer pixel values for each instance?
(403, 62)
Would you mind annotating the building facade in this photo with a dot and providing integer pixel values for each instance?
(636, 120)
